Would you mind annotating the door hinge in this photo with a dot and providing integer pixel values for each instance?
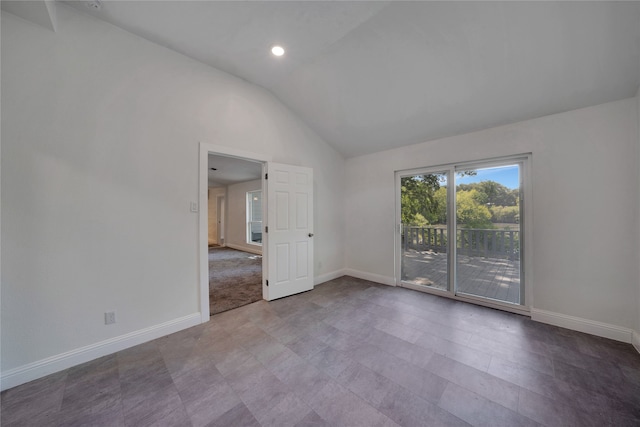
(266, 229)
(267, 282)
(266, 176)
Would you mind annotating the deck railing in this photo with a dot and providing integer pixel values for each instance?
(488, 243)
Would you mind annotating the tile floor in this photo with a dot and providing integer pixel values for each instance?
(349, 353)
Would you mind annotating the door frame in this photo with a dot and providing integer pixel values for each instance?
(203, 252)
(526, 231)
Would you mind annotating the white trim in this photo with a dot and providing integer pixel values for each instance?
(203, 238)
(232, 152)
(203, 235)
(587, 326)
(328, 276)
(245, 248)
(378, 278)
(636, 341)
(31, 371)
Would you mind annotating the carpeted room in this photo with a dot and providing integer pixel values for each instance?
(235, 278)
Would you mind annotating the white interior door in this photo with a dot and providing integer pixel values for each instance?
(290, 230)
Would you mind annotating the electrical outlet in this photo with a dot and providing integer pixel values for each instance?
(109, 317)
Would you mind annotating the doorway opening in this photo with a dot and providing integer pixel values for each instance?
(234, 186)
(286, 239)
(461, 231)
(223, 173)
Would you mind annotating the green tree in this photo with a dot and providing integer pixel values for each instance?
(497, 194)
(424, 198)
(471, 211)
(419, 205)
(441, 206)
(505, 214)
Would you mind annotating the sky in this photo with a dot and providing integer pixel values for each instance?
(505, 175)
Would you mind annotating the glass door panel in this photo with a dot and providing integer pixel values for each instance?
(423, 206)
(488, 233)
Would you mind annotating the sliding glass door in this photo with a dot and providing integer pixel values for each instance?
(475, 253)
(488, 232)
(424, 254)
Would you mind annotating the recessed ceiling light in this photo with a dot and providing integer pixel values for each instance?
(277, 50)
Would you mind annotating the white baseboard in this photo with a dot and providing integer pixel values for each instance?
(257, 251)
(328, 276)
(636, 340)
(579, 324)
(378, 278)
(31, 371)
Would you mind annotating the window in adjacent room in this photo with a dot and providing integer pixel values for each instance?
(254, 217)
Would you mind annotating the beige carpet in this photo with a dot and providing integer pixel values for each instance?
(235, 279)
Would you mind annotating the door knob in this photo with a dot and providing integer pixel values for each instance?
(310, 234)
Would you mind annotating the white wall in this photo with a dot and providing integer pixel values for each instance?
(585, 206)
(237, 215)
(100, 133)
(637, 335)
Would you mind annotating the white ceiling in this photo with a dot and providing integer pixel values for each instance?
(230, 170)
(372, 75)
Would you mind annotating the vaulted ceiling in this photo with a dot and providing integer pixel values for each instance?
(373, 75)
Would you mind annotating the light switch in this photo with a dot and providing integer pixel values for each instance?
(194, 207)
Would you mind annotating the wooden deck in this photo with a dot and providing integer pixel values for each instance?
(493, 278)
